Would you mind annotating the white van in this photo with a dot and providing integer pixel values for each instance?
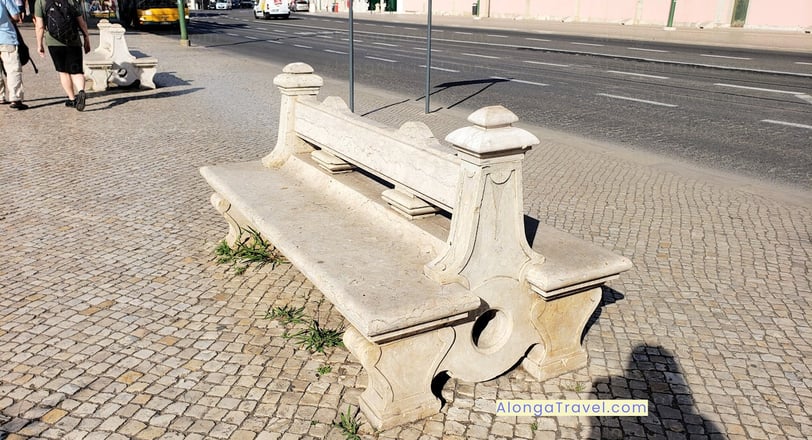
(271, 8)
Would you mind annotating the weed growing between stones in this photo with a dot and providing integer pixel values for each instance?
(287, 314)
(251, 249)
(316, 338)
(324, 370)
(349, 424)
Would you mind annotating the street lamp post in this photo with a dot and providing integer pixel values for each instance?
(352, 62)
(184, 37)
(671, 14)
(428, 60)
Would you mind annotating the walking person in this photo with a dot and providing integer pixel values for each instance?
(12, 84)
(58, 24)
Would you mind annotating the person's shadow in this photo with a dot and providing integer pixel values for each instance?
(652, 374)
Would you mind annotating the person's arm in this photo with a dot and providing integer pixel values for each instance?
(13, 11)
(20, 12)
(39, 29)
(86, 36)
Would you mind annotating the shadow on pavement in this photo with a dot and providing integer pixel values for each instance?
(652, 373)
(488, 83)
(110, 103)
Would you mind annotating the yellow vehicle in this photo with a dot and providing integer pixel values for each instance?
(151, 12)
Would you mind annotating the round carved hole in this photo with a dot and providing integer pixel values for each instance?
(491, 330)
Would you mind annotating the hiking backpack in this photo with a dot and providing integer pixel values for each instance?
(60, 21)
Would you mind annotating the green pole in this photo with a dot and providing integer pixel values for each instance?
(671, 13)
(184, 38)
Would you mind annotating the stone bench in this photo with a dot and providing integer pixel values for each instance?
(423, 294)
(112, 63)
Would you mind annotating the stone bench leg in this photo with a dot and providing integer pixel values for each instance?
(98, 75)
(560, 322)
(400, 375)
(146, 74)
(235, 229)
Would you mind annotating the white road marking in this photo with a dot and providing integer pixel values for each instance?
(232, 35)
(546, 64)
(251, 38)
(386, 44)
(335, 51)
(424, 49)
(303, 46)
(411, 29)
(724, 56)
(759, 89)
(441, 69)
(480, 56)
(789, 124)
(388, 26)
(644, 101)
(637, 74)
(537, 39)
(382, 59)
(496, 36)
(280, 31)
(586, 44)
(803, 64)
(273, 41)
(521, 81)
(647, 50)
(463, 33)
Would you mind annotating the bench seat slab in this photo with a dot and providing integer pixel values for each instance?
(368, 263)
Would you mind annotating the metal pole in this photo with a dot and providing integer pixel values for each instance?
(184, 37)
(671, 13)
(428, 60)
(352, 62)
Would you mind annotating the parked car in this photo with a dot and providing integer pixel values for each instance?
(223, 4)
(271, 8)
(299, 6)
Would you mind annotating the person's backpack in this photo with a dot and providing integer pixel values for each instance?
(60, 21)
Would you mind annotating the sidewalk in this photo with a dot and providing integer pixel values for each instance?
(116, 322)
(762, 39)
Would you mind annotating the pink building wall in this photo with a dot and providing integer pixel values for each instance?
(695, 12)
(781, 14)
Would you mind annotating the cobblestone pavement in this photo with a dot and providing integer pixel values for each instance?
(116, 322)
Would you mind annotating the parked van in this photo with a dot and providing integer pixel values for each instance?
(271, 8)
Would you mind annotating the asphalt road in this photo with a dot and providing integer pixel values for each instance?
(738, 110)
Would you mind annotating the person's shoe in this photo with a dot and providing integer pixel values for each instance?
(70, 102)
(80, 100)
(18, 105)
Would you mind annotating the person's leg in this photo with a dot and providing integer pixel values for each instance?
(77, 76)
(67, 84)
(59, 57)
(78, 80)
(3, 54)
(14, 78)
